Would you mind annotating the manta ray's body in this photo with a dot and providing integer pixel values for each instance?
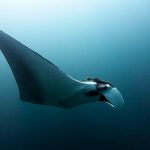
(41, 82)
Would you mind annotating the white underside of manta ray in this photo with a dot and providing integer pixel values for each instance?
(41, 82)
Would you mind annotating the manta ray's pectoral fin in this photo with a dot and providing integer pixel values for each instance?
(18, 57)
(38, 80)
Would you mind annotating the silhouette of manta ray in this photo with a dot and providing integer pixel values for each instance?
(41, 82)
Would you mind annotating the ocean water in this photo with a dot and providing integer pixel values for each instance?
(107, 39)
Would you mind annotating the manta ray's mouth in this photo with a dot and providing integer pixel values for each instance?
(103, 99)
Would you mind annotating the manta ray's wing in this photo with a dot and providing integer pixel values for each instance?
(38, 79)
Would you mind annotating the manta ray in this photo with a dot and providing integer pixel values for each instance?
(41, 82)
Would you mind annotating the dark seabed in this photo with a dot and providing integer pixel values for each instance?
(105, 39)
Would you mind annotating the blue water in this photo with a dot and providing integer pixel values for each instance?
(105, 39)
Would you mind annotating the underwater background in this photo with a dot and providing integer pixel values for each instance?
(108, 39)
